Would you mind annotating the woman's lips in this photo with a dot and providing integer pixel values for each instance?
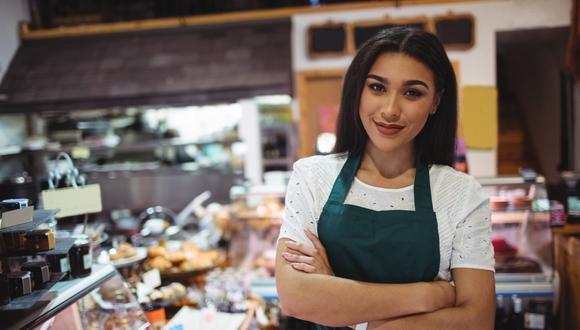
(388, 129)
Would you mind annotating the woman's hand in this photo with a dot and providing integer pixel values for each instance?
(308, 259)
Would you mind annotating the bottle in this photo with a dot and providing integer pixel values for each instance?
(500, 313)
(516, 321)
(571, 181)
(538, 315)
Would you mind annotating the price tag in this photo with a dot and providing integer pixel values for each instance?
(74, 201)
(534, 321)
(80, 152)
(142, 292)
(152, 278)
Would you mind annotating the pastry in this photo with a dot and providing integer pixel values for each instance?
(156, 251)
(498, 203)
(522, 202)
(159, 263)
(124, 251)
(517, 264)
(176, 257)
(178, 288)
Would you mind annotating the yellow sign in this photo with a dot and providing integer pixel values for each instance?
(479, 117)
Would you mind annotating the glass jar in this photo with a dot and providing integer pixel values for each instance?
(81, 258)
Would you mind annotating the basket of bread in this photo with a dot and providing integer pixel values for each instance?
(181, 258)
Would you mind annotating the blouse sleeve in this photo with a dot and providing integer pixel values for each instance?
(472, 246)
(299, 210)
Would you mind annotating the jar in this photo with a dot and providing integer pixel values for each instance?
(20, 283)
(81, 258)
(15, 241)
(4, 290)
(40, 240)
(40, 272)
(58, 262)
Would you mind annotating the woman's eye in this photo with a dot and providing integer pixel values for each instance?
(377, 87)
(413, 93)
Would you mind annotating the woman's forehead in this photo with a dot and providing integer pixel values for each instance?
(399, 66)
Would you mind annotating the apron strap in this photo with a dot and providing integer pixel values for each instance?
(422, 189)
(345, 178)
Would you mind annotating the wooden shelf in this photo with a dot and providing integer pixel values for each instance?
(514, 217)
(569, 229)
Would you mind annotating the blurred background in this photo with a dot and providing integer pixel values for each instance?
(158, 102)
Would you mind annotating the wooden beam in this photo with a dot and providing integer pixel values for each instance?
(254, 15)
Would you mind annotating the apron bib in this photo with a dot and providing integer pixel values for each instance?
(380, 246)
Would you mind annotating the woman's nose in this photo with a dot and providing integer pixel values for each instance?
(390, 110)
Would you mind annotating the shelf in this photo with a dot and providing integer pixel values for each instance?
(63, 245)
(525, 289)
(264, 288)
(523, 277)
(144, 146)
(509, 180)
(568, 229)
(39, 217)
(539, 286)
(517, 217)
(36, 298)
(61, 295)
(277, 162)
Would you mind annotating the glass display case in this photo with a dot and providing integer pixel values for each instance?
(526, 280)
(256, 219)
(101, 300)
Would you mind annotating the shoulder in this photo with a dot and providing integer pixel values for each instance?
(320, 164)
(319, 172)
(455, 191)
(446, 177)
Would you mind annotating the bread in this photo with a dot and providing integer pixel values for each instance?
(175, 257)
(159, 263)
(156, 251)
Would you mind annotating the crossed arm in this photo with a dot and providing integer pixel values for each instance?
(308, 290)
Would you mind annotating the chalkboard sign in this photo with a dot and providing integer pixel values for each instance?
(455, 31)
(327, 40)
(363, 31)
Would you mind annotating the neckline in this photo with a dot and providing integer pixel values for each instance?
(405, 188)
(366, 185)
(347, 175)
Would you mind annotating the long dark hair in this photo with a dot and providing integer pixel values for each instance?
(435, 144)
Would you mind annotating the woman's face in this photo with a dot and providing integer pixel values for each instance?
(397, 97)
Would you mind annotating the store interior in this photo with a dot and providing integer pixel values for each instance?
(145, 149)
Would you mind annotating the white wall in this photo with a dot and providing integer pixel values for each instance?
(12, 128)
(11, 12)
(477, 65)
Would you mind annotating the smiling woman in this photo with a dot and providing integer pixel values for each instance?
(374, 233)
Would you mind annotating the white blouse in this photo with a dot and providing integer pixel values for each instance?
(461, 206)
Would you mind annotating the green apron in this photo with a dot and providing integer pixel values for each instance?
(380, 246)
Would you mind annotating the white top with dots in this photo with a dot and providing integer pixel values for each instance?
(462, 208)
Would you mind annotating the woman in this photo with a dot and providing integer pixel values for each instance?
(375, 232)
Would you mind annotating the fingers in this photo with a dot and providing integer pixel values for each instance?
(302, 248)
(293, 258)
(303, 267)
(315, 241)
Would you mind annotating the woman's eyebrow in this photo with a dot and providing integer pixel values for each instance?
(415, 82)
(378, 78)
(406, 83)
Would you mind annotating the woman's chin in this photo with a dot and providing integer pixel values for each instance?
(389, 146)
